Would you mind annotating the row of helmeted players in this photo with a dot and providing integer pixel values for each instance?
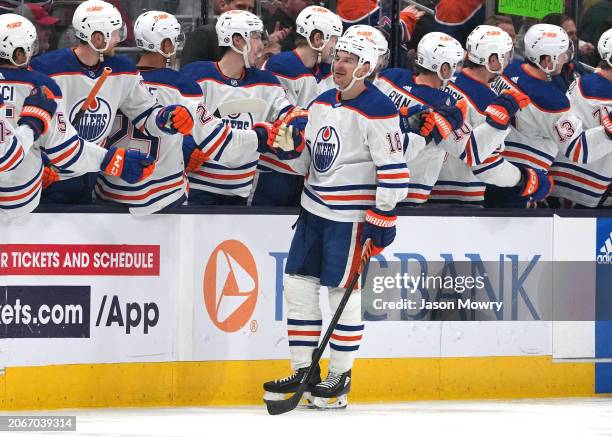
(221, 160)
(357, 156)
(146, 128)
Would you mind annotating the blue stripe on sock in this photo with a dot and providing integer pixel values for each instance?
(303, 343)
(304, 322)
(341, 348)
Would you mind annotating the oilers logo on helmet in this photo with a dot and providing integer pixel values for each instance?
(326, 148)
(242, 121)
(95, 121)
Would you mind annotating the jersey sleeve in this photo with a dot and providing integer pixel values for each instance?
(392, 175)
(14, 145)
(576, 143)
(140, 106)
(66, 149)
(217, 140)
(496, 170)
(281, 105)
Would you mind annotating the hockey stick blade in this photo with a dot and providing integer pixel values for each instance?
(285, 405)
(239, 106)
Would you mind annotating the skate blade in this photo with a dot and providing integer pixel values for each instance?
(307, 400)
(330, 403)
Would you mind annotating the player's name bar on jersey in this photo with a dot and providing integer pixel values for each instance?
(512, 288)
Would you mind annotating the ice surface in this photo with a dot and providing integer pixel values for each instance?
(520, 418)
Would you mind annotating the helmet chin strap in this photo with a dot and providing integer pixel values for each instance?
(244, 52)
(100, 51)
(319, 50)
(548, 73)
(354, 79)
(24, 64)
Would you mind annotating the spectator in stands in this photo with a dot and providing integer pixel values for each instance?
(458, 18)
(596, 20)
(10, 5)
(43, 22)
(282, 19)
(504, 23)
(572, 69)
(201, 44)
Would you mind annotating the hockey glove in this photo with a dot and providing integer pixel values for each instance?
(37, 111)
(265, 136)
(288, 141)
(504, 107)
(412, 119)
(50, 175)
(535, 184)
(175, 119)
(442, 122)
(128, 164)
(193, 157)
(379, 226)
(606, 122)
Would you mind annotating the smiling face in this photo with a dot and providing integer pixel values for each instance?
(344, 65)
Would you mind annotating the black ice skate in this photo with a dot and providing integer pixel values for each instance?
(280, 388)
(332, 393)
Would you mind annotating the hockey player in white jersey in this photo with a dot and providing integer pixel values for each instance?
(17, 162)
(438, 56)
(355, 175)
(587, 185)
(99, 28)
(55, 138)
(159, 34)
(301, 71)
(549, 126)
(233, 79)
(489, 52)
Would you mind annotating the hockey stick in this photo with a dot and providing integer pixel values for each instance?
(239, 106)
(605, 196)
(91, 97)
(286, 405)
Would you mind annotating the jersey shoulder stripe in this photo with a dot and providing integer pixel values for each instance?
(172, 79)
(288, 65)
(63, 61)
(402, 79)
(544, 95)
(31, 77)
(207, 70)
(372, 103)
(477, 92)
(398, 76)
(595, 86)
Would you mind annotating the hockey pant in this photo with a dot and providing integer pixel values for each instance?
(323, 253)
(278, 189)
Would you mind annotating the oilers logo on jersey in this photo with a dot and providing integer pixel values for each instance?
(95, 121)
(326, 149)
(242, 121)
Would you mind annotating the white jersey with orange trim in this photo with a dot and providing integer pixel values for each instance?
(464, 181)
(426, 163)
(585, 184)
(303, 85)
(123, 90)
(548, 126)
(235, 179)
(168, 183)
(21, 186)
(353, 159)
